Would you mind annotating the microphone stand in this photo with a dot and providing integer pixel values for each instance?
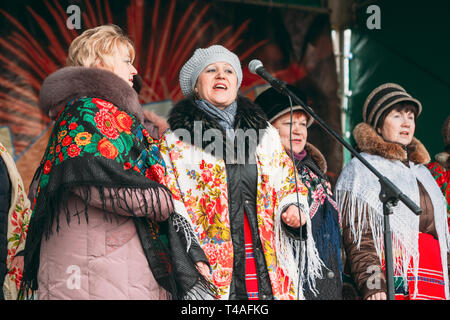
(389, 193)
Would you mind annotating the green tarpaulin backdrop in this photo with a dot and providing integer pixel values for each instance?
(412, 48)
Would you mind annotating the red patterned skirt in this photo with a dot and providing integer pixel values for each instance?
(251, 279)
(430, 285)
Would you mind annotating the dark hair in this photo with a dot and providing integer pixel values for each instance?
(399, 107)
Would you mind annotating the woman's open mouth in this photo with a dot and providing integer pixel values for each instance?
(220, 86)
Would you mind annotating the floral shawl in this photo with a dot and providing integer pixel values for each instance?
(18, 220)
(442, 177)
(94, 144)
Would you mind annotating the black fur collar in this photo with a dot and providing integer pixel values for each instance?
(73, 82)
(248, 116)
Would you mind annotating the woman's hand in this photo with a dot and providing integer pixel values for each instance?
(292, 217)
(203, 268)
(377, 296)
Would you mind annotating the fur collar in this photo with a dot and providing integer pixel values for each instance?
(248, 116)
(155, 124)
(370, 142)
(73, 82)
(316, 156)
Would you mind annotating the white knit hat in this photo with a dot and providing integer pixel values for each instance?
(200, 60)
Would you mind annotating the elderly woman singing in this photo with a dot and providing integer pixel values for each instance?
(231, 178)
(420, 243)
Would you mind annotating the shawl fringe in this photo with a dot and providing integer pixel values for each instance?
(303, 268)
(369, 218)
(357, 192)
(191, 284)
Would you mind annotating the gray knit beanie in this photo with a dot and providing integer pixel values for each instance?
(200, 60)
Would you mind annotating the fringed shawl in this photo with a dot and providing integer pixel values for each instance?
(357, 193)
(96, 146)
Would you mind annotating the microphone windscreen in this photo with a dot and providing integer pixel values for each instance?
(253, 65)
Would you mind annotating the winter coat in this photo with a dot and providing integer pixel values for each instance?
(214, 193)
(14, 221)
(325, 220)
(358, 230)
(99, 258)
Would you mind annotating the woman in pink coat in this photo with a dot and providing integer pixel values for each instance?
(95, 226)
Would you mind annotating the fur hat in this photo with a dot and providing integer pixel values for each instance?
(200, 60)
(383, 97)
(275, 104)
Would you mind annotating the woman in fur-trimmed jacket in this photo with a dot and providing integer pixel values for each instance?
(420, 243)
(95, 229)
(240, 198)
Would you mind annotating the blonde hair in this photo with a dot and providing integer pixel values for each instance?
(96, 47)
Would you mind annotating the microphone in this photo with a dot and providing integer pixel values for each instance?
(256, 67)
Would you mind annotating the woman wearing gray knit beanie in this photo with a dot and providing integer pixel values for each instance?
(232, 180)
(419, 243)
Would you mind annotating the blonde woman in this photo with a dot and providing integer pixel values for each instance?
(94, 230)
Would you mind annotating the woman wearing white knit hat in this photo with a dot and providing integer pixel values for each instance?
(240, 197)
